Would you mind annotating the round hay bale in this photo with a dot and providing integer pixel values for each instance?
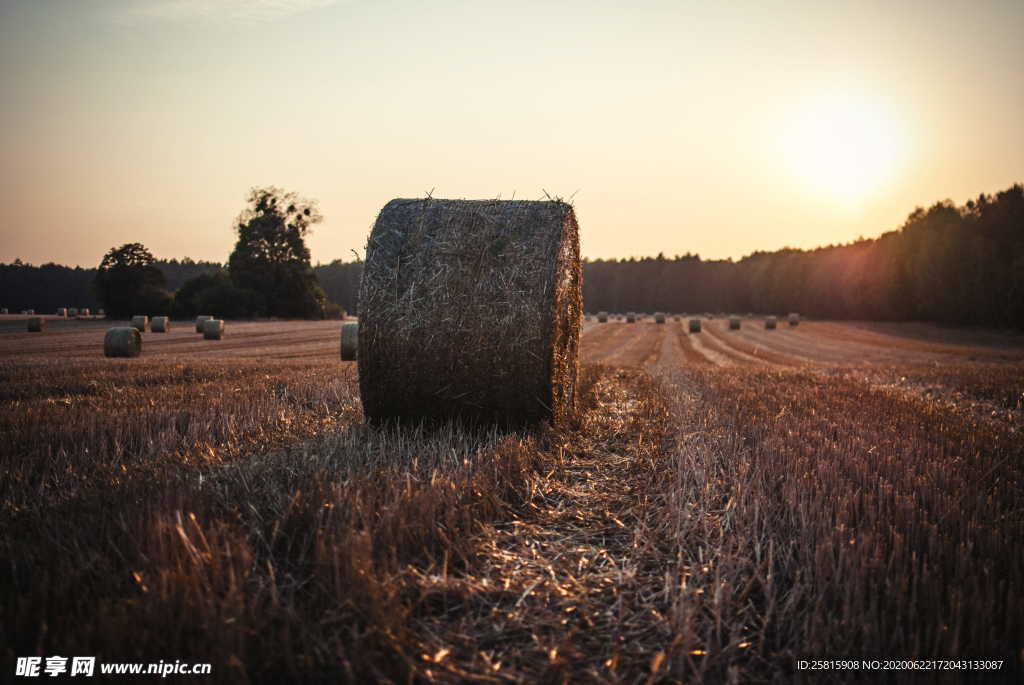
(659, 317)
(199, 322)
(122, 341)
(160, 324)
(36, 324)
(140, 322)
(695, 325)
(349, 341)
(471, 309)
(770, 323)
(630, 317)
(602, 317)
(794, 319)
(734, 323)
(213, 329)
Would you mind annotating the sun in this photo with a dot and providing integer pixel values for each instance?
(844, 147)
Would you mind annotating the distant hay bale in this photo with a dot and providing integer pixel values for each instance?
(199, 322)
(695, 325)
(492, 290)
(213, 329)
(122, 341)
(659, 317)
(794, 319)
(630, 317)
(160, 324)
(770, 323)
(36, 324)
(602, 317)
(140, 322)
(349, 341)
(734, 323)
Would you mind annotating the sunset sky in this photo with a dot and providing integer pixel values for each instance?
(716, 128)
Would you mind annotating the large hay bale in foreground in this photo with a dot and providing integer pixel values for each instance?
(213, 329)
(199, 322)
(36, 324)
(695, 325)
(140, 322)
(734, 323)
(471, 309)
(349, 341)
(160, 324)
(122, 341)
(794, 319)
(602, 317)
(770, 323)
(659, 317)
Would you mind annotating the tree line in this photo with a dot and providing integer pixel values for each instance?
(949, 264)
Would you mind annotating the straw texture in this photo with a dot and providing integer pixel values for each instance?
(349, 341)
(471, 309)
(122, 341)
(213, 329)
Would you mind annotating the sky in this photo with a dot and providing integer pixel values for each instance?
(675, 127)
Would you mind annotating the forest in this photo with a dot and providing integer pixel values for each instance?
(949, 264)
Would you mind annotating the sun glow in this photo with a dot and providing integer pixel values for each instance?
(844, 147)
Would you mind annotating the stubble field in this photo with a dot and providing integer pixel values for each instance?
(727, 504)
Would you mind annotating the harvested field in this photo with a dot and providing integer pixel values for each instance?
(725, 505)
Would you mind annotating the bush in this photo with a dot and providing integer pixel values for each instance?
(215, 294)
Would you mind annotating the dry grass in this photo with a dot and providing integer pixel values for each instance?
(491, 291)
(697, 523)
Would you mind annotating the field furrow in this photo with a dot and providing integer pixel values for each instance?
(725, 503)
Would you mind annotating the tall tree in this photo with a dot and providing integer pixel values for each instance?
(129, 282)
(271, 257)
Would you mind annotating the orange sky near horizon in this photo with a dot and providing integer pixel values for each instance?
(710, 128)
